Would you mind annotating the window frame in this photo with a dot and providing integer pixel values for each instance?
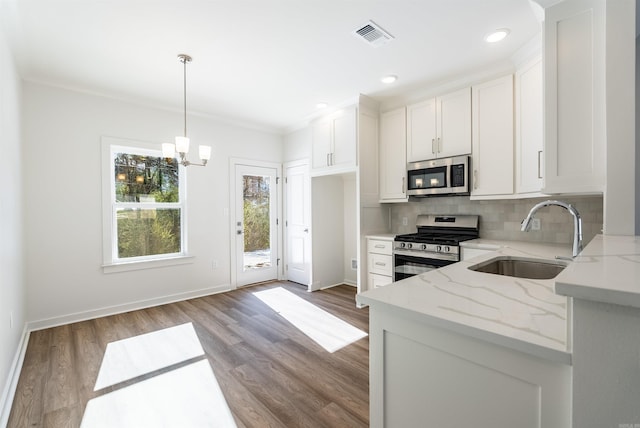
(111, 261)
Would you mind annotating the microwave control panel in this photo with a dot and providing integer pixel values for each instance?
(457, 175)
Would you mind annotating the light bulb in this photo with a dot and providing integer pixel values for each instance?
(205, 152)
(168, 150)
(182, 144)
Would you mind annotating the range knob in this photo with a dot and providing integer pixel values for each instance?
(402, 245)
(447, 249)
(438, 249)
(409, 245)
(423, 246)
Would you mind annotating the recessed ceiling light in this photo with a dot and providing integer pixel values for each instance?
(321, 105)
(497, 35)
(389, 79)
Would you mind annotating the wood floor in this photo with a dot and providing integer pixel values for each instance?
(271, 374)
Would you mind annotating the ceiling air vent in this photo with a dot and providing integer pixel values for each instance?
(373, 34)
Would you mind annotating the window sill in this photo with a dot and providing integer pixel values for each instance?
(146, 264)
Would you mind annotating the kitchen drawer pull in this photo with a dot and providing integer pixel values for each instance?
(379, 246)
(380, 264)
(539, 164)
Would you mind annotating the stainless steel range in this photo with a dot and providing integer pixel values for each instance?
(436, 244)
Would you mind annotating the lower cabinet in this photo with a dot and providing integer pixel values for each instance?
(426, 376)
(379, 262)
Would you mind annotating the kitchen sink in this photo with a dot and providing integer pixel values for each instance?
(521, 267)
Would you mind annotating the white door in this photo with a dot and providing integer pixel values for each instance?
(298, 222)
(255, 224)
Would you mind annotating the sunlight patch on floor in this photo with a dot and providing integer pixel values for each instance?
(186, 397)
(325, 329)
(129, 358)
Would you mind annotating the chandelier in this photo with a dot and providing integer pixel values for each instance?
(182, 142)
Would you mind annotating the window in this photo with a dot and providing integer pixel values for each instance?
(144, 214)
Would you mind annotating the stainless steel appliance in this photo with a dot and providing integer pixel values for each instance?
(436, 244)
(446, 176)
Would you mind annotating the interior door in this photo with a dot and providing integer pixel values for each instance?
(298, 222)
(255, 226)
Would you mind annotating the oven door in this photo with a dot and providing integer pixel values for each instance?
(406, 266)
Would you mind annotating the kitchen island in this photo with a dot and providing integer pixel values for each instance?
(456, 347)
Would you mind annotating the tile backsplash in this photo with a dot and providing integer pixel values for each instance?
(500, 219)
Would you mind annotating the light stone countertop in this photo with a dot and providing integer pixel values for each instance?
(521, 314)
(607, 270)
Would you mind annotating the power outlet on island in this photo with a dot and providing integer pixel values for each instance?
(404, 221)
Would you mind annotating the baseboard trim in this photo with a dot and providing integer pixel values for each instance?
(9, 391)
(118, 309)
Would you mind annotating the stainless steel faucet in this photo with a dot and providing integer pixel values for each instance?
(577, 222)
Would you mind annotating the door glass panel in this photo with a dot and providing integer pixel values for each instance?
(257, 233)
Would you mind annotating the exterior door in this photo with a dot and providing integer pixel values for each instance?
(255, 225)
(298, 222)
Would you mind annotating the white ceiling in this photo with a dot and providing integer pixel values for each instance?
(265, 62)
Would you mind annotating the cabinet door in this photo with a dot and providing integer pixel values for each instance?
(492, 161)
(321, 144)
(421, 131)
(575, 107)
(454, 124)
(344, 138)
(529, 128)
(393, 160)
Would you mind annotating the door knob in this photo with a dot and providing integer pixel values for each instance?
(306, 230)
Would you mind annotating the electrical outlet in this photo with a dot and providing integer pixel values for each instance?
(214, 264)
(404, 221)
(354, 264)
(535, 224)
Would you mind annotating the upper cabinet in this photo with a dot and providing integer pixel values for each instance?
(492, 160)
(334, 142)
(393, 156)
(529, 128)
(574, 76)
(439, 127)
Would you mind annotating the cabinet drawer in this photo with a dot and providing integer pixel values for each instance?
(380, 264)
(377, 281)
(379, 247)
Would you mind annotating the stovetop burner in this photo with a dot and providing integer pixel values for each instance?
(441, 230)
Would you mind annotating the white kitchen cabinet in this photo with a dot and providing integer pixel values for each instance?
(575, 104)
(529, 128)
(393, 156)
(334, 142)
(379, 262)
(493, 146)
(439, 127)
(423, 375)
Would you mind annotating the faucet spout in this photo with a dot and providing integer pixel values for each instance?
(577, 222)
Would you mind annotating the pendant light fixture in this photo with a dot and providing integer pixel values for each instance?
(182, 142)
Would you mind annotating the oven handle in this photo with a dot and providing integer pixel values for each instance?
(427, 256)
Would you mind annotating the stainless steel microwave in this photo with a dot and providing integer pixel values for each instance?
(439, 177)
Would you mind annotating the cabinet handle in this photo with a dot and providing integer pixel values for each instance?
(379, 246)
(439, 147)
(539, 163)
(403, 186)
(380, 264)
(332, 161)
(475, 178)
(433, 142)
(328, 159)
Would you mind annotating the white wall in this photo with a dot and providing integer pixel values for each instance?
(297, 145)
(12, 289)
(63, 224)
(620, 194)
(351, 232)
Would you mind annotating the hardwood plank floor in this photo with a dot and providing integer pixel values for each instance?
(271, 374)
